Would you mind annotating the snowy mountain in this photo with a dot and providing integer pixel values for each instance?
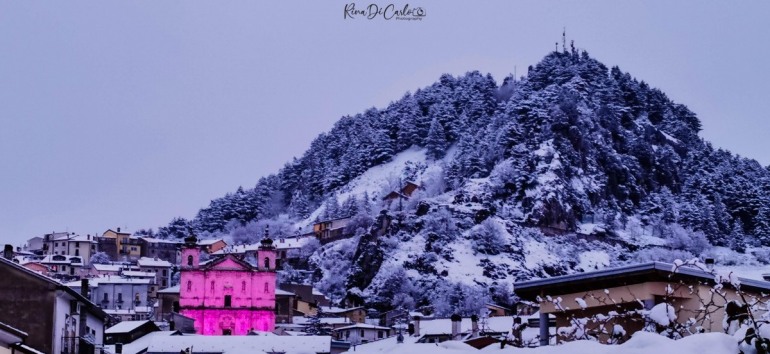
(571, 168)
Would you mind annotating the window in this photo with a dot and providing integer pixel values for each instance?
(189, 261)
(189, 285)
(227, 332)
(228, 301)
(77, 252)
(164, 272)
(380, 334)
(267, 263)
(243, 286)
(362, 333)
(267, 288)
(212, 285)
(120, 297)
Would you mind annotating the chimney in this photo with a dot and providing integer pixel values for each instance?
(8, 252)
(475, 325)
(456, 320)
(710, 263)
(118, 229)
(83, 331)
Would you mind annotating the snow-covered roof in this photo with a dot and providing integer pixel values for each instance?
(530, 289)
(363, 326)
(125, 327)
(130, 311)
(301, 320)
(68, 260)
(337, 310)
(241, 344)
(283, 292)
(291, 242)
(159, 240)
(13, 330)
(135, 273)
(110, 279)
(209, 242)
(81, 238)
(444, 325)
(285, 243)
(175, 290)
(153, 262)
(107, 267)
(140, 344)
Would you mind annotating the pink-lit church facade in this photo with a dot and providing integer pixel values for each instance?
(227, 295)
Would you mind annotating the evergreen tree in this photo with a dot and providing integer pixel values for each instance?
(299, 207)
(436, 142)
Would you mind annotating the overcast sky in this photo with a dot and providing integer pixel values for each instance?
(129, 113)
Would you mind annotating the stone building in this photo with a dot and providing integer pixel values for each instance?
(56, 318)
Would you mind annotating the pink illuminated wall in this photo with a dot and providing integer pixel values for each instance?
(227, 294)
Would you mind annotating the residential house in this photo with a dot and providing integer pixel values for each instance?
(128, 331)
(107, 269)
(354, 314)
(139, 345)
(404, 193)
(125, 299)
(34, 245)
(168, 302)
(55, 243)
(495, 310)
(56, 318)
(34, 266)
(126, 248)
(64, 267)
(212, 246)
(331, 230)
(362, 333)
(286, 249)
(160, 268)
(167, 250)
(150, 276)
(82, 246)
(69, 244)
(307, 299)
(631, 288)
(284, 306)
(228, 296)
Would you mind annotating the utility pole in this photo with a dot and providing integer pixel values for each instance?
(564, 40)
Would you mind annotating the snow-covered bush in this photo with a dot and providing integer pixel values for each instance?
(680, 238)
(486, 238)
(762, 255)
(100, 258)
(660, 255)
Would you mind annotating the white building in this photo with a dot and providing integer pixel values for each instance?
(362, 333)
(125, 299)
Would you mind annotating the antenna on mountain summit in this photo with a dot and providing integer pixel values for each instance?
(564, 40)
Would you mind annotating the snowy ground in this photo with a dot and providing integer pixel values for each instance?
(640, 343)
